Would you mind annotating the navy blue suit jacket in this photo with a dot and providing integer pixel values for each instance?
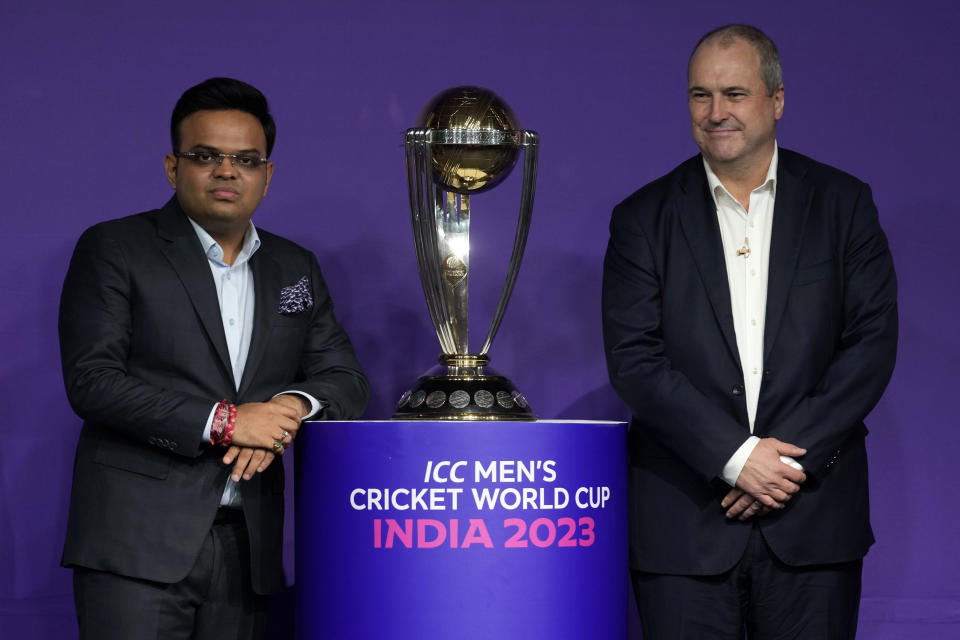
(829, 349)
(145, 359)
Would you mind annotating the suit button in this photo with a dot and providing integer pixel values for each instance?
(766, 373)
(737, 390)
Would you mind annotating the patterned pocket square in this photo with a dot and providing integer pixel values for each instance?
(296, 297)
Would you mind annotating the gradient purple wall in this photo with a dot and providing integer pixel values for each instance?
(85, 95)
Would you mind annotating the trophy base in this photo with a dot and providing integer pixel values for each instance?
(469, 390)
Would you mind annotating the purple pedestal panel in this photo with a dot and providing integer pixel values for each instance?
(412, 530)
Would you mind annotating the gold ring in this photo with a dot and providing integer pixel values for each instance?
(277, 445)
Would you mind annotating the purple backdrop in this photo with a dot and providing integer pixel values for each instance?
(86, 93)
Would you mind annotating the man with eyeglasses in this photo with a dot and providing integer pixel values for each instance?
(193, 345)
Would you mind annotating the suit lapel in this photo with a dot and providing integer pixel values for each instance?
(791, 208)
(698, 219)
(187, 258)
(266, 286)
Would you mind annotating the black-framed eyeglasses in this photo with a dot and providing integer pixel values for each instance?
(210, 158)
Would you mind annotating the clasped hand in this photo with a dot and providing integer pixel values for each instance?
(259, 426)
(765, 483)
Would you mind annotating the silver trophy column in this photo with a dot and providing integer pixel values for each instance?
(472, 146)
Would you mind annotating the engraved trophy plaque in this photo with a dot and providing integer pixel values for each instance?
(467, 142)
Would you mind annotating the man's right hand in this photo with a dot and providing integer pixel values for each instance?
(260, 424)
(768, 479)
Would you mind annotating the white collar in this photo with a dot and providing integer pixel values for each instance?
(213, 250)
(715, 183)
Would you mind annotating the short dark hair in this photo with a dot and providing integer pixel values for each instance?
(771, 71)
(219, 94)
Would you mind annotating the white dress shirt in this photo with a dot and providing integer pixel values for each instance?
(236, 295)
(746, 251)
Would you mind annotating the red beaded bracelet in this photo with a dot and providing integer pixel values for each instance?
(224, 422)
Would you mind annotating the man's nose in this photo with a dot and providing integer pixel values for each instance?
(718, 109)
(225, 168)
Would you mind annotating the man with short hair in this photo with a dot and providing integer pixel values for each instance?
(193, 346)
(750, 324)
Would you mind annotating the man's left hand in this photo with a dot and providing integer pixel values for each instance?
(249, 461)
(294, 401)
(741, 505)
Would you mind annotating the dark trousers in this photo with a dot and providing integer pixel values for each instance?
(760, 596)
(214, 602)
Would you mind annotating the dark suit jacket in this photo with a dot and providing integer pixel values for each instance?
(145, 359)
(829, 349)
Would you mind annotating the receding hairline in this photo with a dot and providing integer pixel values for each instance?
(724, 37)
(723, 43)
(771, 69)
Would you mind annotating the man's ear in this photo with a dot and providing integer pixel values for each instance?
(266, 185)
(170, 168)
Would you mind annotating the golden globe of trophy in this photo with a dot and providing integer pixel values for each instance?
(467, 142)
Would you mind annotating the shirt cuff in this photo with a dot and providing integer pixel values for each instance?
(315, 405)
(206, 429)
(731, 470)
(790, 461)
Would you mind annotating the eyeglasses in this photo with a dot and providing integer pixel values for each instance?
(210, 158)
